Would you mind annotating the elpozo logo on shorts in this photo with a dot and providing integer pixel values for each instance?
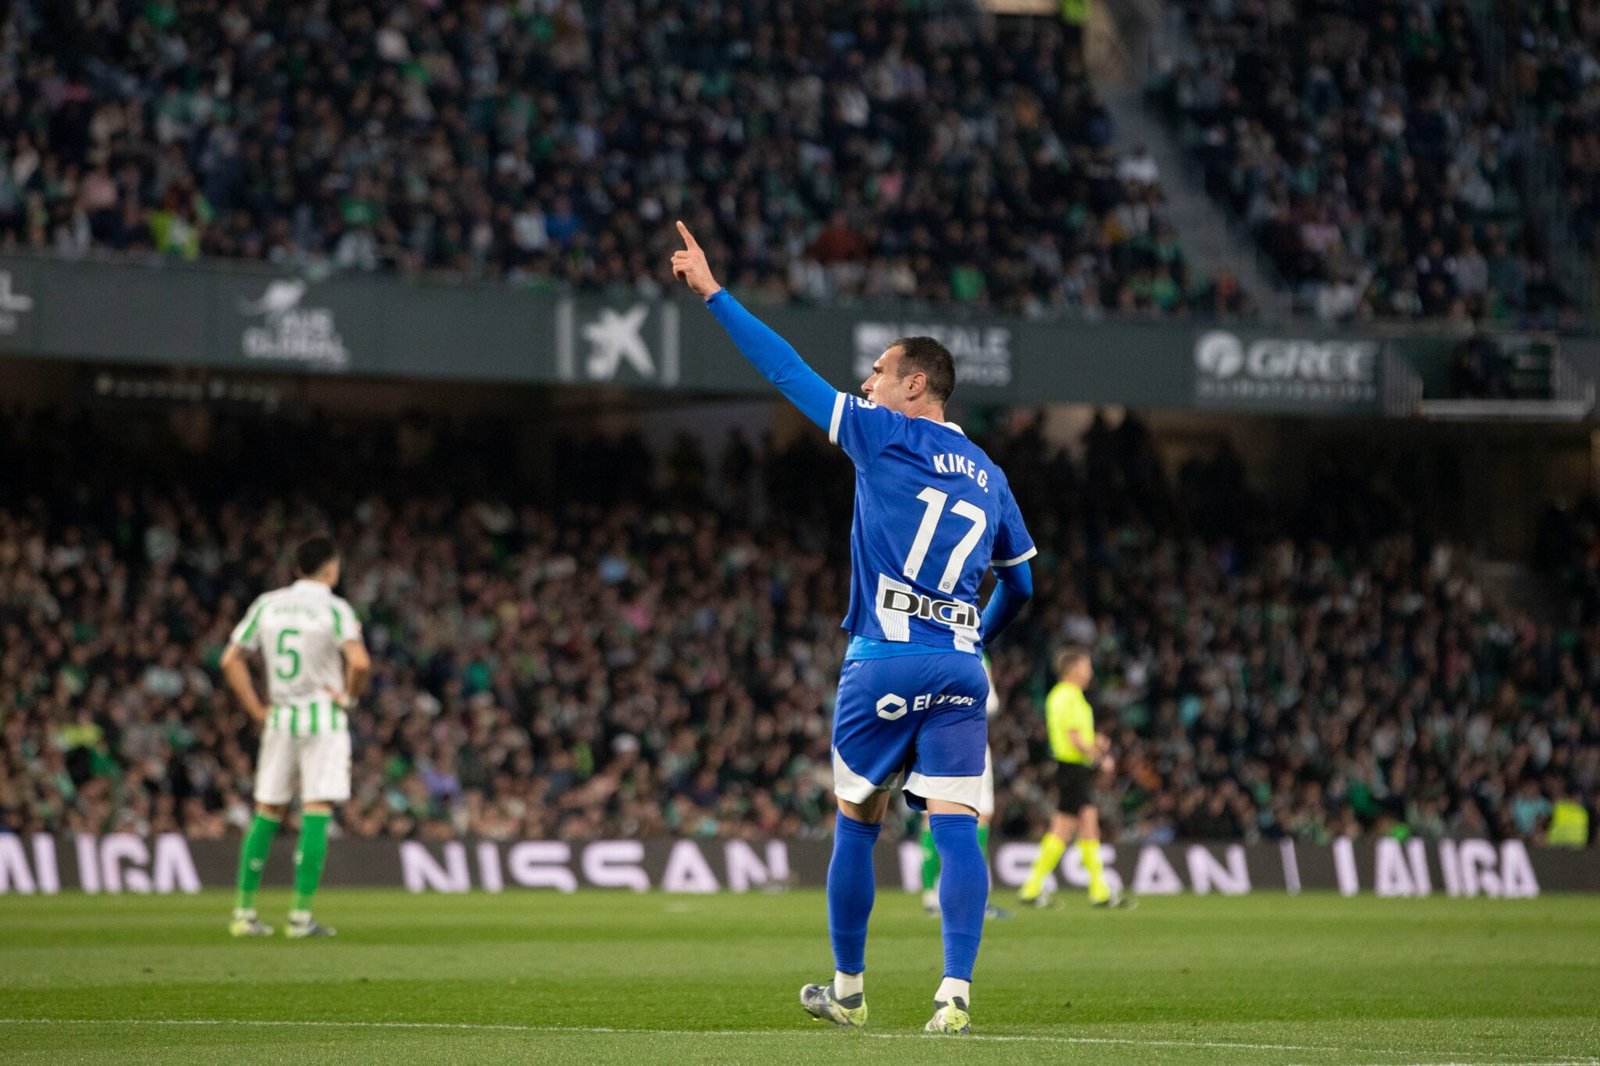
(1285, 370)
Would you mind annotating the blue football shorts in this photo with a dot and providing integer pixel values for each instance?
(911, 720)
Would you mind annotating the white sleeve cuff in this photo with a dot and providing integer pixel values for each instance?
(1024, 557)
(838, 413)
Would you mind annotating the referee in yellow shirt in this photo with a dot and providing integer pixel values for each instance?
(1077, 751)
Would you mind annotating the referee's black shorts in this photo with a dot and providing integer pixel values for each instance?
(1076, 784)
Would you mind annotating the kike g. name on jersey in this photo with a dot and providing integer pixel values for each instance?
(932, 514)
(298, 630)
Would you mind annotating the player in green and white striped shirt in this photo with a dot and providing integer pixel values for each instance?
(316, 666)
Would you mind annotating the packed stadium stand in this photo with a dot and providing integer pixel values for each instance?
(544, 667)
(1555, 64)
(406, 538)
(1384, 154)
(1380, 169)
(822, 151)
(643, 648)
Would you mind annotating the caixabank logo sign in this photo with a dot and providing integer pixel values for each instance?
(1285, 373)
(637, 345)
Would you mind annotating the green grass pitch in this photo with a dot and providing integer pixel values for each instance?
(612, 977)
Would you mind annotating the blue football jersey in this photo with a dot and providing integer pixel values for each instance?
(932, 514)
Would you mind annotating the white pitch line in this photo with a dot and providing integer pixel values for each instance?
(610, 1031)
(1501, 1061)
(599, 1030)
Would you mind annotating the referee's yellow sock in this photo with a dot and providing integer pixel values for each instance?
(1099, 891)
(1051, 848)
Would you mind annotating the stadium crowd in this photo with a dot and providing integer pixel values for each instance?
(638, 648)
(1556, 72)
(1361, 143)
(823, 151)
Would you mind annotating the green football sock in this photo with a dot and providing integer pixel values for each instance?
(253, 859)
(309, 858)
(930, 860)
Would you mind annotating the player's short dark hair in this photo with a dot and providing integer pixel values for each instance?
(312, 555)
(1069, 657)
(931, 358)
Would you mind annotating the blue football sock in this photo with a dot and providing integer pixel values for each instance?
(851, 886)
(963, 890)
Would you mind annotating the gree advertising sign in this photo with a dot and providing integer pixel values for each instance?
(1285, 373)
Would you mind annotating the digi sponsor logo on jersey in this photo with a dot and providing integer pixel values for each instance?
(291, 333)
(982, 354)
(897, 599)
(1285, 369)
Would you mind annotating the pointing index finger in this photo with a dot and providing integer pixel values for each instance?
(688, 238)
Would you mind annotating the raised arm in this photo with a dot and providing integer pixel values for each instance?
(759, 343)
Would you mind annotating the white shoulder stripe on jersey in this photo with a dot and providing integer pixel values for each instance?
(252, 618)
(838, 413)
(1024, 557)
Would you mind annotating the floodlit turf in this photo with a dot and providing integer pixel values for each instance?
(612, 977)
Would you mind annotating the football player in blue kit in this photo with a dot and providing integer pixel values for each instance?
(933, 514)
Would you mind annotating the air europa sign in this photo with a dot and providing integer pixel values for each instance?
(1288, 373)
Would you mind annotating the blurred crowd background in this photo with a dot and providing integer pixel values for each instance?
(821, 151)
(1380, 166)
(647, 643)
(650, 646)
